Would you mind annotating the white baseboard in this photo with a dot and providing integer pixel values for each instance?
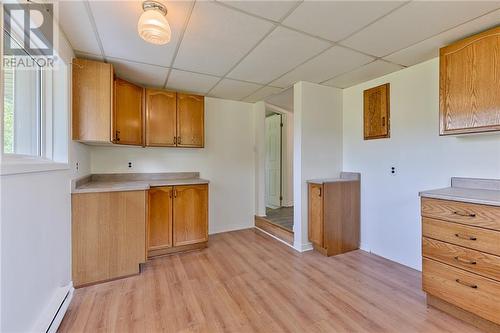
(304, 247)
(280, 240)
(52, 316)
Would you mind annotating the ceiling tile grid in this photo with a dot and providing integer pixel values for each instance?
(252, 49)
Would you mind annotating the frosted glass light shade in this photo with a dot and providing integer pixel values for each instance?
(153, 27)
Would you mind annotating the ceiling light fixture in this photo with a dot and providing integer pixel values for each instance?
(153, 26)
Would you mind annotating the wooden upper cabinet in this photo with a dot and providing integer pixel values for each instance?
(469, 86)
(128, 113)
(160, 218)
(92, 100)
(190, 120)
(190, 222)
(376, 112)
(161, 118)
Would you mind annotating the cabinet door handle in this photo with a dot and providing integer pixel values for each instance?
(179, 140)
(470, 285)
(175, 140)
(472, 238)
(464, 214)
(320, 192)
(117, 136)
(465, 261)
(175, 193)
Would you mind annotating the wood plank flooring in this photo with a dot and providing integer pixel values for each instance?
(245, 281)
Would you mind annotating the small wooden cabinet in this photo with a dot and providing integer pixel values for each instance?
(108, 235)
(128, 113)
(190, 120)
(177, 219)
(469, 84)
(333, 215)
(92, 102)
(376, 112)
(161, 118)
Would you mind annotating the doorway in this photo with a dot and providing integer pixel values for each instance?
(278, 172)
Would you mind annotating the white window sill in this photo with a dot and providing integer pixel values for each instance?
(25, 164)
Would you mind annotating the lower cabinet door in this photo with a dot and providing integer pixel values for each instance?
(316, 214)
(160, 218)
(190, 224)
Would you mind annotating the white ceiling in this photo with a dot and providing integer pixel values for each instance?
(250, 50)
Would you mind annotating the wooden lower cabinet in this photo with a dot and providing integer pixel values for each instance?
(108, 235)
(461, 260)
(334, 214)
(177, 219)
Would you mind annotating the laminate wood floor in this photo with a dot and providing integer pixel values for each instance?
(245, 281)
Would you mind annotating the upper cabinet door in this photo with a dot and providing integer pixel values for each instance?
(92, 100)
(469, 91)
(376, 112)
(128, 113)
(161, 118)
(190, 120)
(190, 222)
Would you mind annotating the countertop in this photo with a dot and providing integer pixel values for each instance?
(133, 182)
(344, 177)
(478, 191)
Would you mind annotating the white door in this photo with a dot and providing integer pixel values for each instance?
(273, 161)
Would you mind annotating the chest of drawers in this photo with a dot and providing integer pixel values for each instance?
(461, 259)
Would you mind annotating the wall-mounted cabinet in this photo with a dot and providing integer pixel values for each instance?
(92, 103)
(376, 112)
(161, 118)
(120, 112)
(128, 113)
(177, 218)
(469, 84)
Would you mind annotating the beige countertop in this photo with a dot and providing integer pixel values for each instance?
(344, 177)
(478, 191)
(133, 181)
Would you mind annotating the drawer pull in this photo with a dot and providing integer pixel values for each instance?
(466, 237)
(470, 285)
(465, 261)
(464, 214)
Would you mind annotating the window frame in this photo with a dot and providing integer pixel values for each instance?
(12, 163)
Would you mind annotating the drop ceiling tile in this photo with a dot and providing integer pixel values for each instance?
(262, 94)
(333, 62)
(191, 82)
(75, 23)
(429, 48)
(116, 23)
(335, 20)
(217, 37)
(283, 100)
(280, 52)
(273, 10)
(415, 22)
(367, 72)
(231, 89)
(142, 74)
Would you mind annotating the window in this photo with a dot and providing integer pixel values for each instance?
(22, 116)
(35, 116)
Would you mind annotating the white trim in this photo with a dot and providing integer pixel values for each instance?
(304, 247)
(17, 164)
(278, 239)
(53, 314)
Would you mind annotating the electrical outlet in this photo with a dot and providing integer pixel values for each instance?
(130, 164)
(77, 166)
(393, 171)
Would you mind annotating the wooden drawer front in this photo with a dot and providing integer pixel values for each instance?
(475, 238)
(461, 212)
(468, 291)
(471, 260)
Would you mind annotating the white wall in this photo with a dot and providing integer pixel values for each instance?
(390, 205)
(227, 161)
(317, 146)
